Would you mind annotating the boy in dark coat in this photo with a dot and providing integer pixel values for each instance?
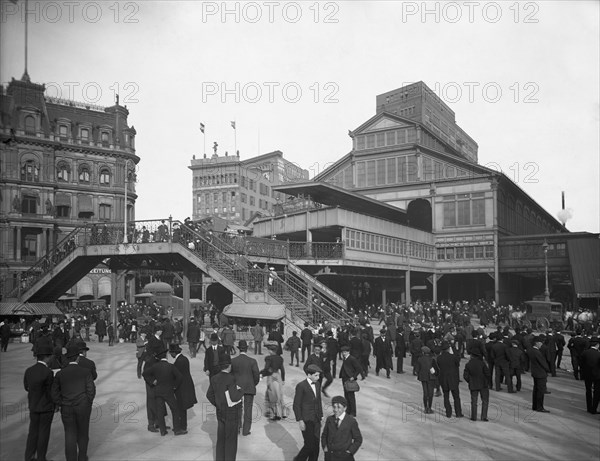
(477, 374)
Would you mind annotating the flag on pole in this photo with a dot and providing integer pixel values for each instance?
(202, 127)
(233, 125)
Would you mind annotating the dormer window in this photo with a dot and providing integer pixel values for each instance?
(63, 132)
(30, 125)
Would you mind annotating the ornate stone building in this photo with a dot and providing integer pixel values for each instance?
(62, 163)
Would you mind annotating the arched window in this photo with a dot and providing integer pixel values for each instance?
(84, 174)
(62, 172)
(105, 177)
(30, 171)
(30, 125)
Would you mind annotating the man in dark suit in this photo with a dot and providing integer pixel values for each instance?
(308, 411)
(165, 379)
(449, 377)
(477, 374)
(153, 347)
(306, 337)
(499, 353)
(576, 346)
(400, 351)
(38, 384)
(332, 350)
(193, 337)
(539, 372)
(84, 361)
(319, 358)
(213, 356)
(60, 335)
(341, 437)
(74, 391)
(227, 397)
(186, 393)
(590, 372)
(383, 352)
(245, 371)
(349, 371)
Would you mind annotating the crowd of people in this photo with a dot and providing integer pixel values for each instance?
(437, 340)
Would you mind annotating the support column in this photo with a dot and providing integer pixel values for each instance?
(186, 304)
(18, 244)
(407, 287)
(114, 280)
(308, 238)
(435, 293)
(383, 297)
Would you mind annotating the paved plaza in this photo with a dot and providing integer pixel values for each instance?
(389, 415)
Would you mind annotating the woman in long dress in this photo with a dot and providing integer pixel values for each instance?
(275, 374)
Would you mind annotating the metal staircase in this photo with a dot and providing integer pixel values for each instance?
(218, 255)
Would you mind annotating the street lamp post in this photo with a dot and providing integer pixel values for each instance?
(545, 246)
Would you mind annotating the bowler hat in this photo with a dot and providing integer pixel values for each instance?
(225, 360)
(72, 351)
(312, 368)
(445, 345)
(82, 346)
(476, 353)
(345, 349)
(594, 340)
(174, 348)
(214, 337)
(158, 327)
(540, 339)
(339, 399)
(243, 345)
(161, 353)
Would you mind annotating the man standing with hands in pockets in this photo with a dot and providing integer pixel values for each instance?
(308, 410)
(341, 436)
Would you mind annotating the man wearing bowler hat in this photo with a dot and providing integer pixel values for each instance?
(38, 381)
(186, 392)
(73, 390)
(539, 372)
(213, 356)
(341, 437)
(84, 361)
(226, 396)
(245, 371)
(164, 378)
(590, 372)
(308, 410)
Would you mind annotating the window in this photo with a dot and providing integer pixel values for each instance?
(63, 211)
(104, 138)
(105, 177)
(29, 247)
(63, 131)
(478, 209)
(84, 174)
(104, 211)
(30, 125)
(224, 209)
(463, 211)
(29, 204)
(85, 135)
(30, 171)
(62, 172)
(449, 212)
(252, 201)
(243, 198)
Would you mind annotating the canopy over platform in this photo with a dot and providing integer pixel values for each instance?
(255, 311)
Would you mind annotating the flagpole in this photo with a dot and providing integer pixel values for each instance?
(235, 137)
(26, 26)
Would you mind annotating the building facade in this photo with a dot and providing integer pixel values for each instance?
(62, 163)
(237, 190)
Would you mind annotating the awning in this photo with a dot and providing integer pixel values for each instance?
(419, 287)
(584, 256)
(144, 295)
(67, 298)
(62, 199)
(85, 204)
(255, 311)
(26, 309)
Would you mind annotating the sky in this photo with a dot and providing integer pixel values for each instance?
(522, 78)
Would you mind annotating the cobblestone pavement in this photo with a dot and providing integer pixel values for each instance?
(389, 414)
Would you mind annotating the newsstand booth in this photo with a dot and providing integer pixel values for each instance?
(242, 316)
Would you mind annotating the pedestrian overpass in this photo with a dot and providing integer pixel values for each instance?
(231, 260)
